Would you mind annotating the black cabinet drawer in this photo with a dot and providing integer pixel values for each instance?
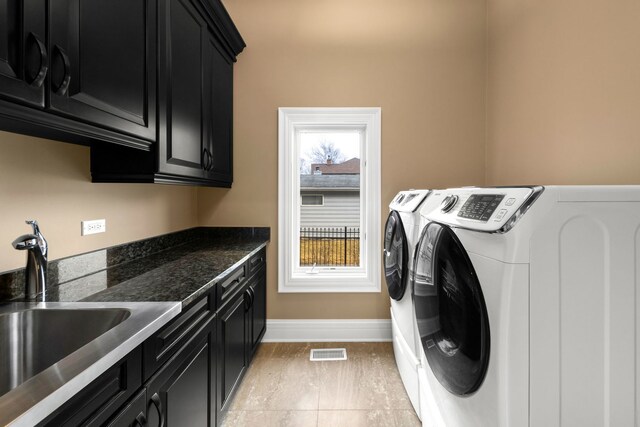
(231, 285)
(133, 414)
(97, 402)
(161, 346)
(257, 261)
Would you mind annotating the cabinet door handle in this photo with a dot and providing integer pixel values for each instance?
(207, 160)
(247, 300)
(253, 296)
(210, 156)
(44, 60)
(155, 399)
(66, 80)
(140, 420)
(256, 261)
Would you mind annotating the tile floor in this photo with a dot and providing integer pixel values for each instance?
(283, 388)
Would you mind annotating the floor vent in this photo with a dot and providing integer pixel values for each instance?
(327, 354)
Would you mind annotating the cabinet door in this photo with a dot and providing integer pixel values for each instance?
(182, 392)
(183, 34)
(23, 51)
(133, 414)
(219, 137)
(102, 56)
(258, 288)
(232, 357)
(98, 401)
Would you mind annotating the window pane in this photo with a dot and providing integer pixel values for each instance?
(329, 215)
(312, 200)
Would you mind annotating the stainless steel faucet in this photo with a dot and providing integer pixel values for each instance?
(36, 272)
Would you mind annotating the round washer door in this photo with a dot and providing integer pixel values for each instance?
(451, 312)
(395, 256)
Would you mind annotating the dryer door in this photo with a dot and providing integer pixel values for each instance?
(395, 256)
(450, 309)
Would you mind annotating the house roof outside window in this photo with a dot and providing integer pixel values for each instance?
(350, 167)
(330, 182)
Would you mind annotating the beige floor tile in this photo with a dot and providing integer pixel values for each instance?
(280, 378)
(283, 387)
(271, 419)
(369, 379)
(351, 418)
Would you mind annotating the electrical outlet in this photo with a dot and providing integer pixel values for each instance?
(93, 227)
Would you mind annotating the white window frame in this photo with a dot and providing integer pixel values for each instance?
(291, 277)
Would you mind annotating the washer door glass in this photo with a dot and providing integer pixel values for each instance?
(395, 256)
(450, 310)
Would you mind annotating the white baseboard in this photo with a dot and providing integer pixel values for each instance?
(321, 330)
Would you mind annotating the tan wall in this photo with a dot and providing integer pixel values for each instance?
(50, 181)
(421, 61)
(563, 92)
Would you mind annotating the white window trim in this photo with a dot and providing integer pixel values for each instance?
(365, 278)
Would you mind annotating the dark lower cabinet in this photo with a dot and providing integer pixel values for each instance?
(258, 316)
(232, 349)
(96, 404)
(182, 392)
(133, 414)
(187, 372)
(241, 326)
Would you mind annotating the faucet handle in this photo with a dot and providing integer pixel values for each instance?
(41, 241)
(33, 223)
(26, 241)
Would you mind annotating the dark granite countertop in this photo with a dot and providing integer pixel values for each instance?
(176, 267)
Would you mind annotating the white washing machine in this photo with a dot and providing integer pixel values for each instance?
(528, 308)
(401, 235)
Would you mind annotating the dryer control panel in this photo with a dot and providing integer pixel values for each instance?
(408, 201)
(481, 209)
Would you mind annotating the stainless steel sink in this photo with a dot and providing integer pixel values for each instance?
(51, 351)
(33, 340)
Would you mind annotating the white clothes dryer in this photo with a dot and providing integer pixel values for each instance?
(401, 235)
(528, 308)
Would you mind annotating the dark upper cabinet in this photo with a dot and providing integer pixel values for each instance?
(23, 51)
(197, 47)
(183, 34)
(152, 78)
(102, 63)
(219, 124)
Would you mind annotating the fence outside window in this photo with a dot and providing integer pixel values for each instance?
(330, 246)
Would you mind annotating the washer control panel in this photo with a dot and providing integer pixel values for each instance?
(481, 206)
(481, 209)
